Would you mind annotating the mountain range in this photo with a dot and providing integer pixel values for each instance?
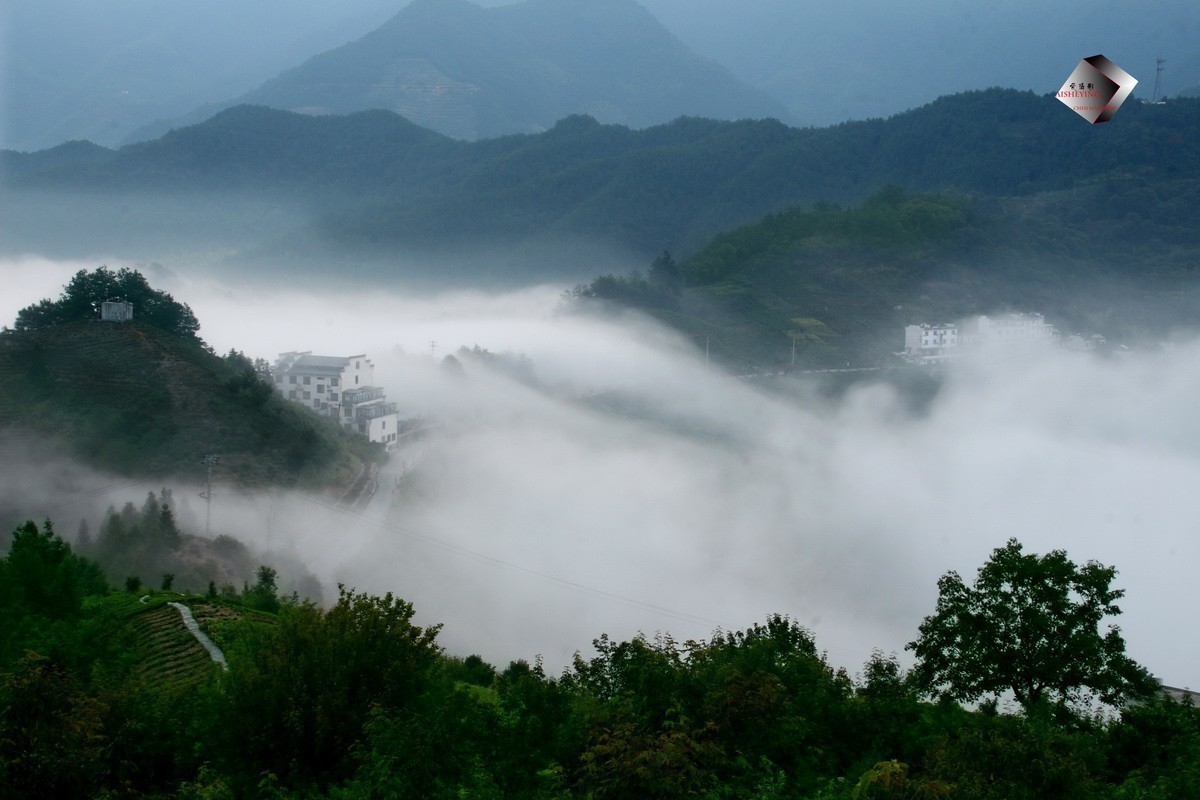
(71, 70)
(374, 181)
(834, 60)
(98, 71)
(471, 72)
(1049, 211)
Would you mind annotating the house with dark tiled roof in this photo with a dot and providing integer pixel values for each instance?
(341, 387)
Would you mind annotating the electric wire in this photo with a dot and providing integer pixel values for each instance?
(99, 492)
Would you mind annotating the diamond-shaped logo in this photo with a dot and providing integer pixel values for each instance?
(1096, 89)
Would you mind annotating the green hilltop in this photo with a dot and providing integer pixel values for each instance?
(147, 397)
(839, 283)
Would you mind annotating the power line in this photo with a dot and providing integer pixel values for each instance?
(100, 492)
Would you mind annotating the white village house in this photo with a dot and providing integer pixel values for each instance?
(341, 387)
(1006, 335)
(931, 342)
(1010, 332)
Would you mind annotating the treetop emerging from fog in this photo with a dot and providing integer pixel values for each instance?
(1029, 625)
(82, 296)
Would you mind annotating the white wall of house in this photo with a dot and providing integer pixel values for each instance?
(382, 429)
(335, 386)
(1001, 336)
(1015, 330)
(929, 340)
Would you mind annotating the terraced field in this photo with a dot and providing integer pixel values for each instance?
(168, 657)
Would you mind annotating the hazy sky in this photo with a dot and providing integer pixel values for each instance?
(714, 501)
(100, 69)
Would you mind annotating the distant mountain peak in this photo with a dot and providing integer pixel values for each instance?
(428, 8)
(471, 72)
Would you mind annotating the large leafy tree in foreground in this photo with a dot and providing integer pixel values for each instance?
(1030, 624)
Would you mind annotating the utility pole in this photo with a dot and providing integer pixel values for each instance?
(1158, 80)
(706, 351)
(793, 349)
(432, 347)
(270, 519)
(209, 461)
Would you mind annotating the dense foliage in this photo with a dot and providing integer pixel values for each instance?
(82, 296)
(149, 545)
(1029, 625)
(377, 180)
(832, 286)
(660, 289)
(141, 398)
(355, 701)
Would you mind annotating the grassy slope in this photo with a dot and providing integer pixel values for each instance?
(131, 399)
(166, 656)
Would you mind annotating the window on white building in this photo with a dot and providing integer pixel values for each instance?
(320, 388)
(307, 380)
(333, 381)
(333, 395)
(291, 378)
(308, 395)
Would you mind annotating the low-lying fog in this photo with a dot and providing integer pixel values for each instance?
(634, 488)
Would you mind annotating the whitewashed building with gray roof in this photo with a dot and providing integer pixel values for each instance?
(342, 387)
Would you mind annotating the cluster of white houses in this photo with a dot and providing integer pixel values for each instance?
(1011, 334)
(339, 387)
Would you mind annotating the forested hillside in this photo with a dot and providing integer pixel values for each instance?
(373, 180)
(147, 397)
(835, 286)
(103, 694)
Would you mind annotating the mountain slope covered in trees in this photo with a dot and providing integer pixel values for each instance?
(832, 286)
(147, 397)
(100, 695)
(374, 182)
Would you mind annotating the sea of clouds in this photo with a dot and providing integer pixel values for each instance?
(635, 488)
